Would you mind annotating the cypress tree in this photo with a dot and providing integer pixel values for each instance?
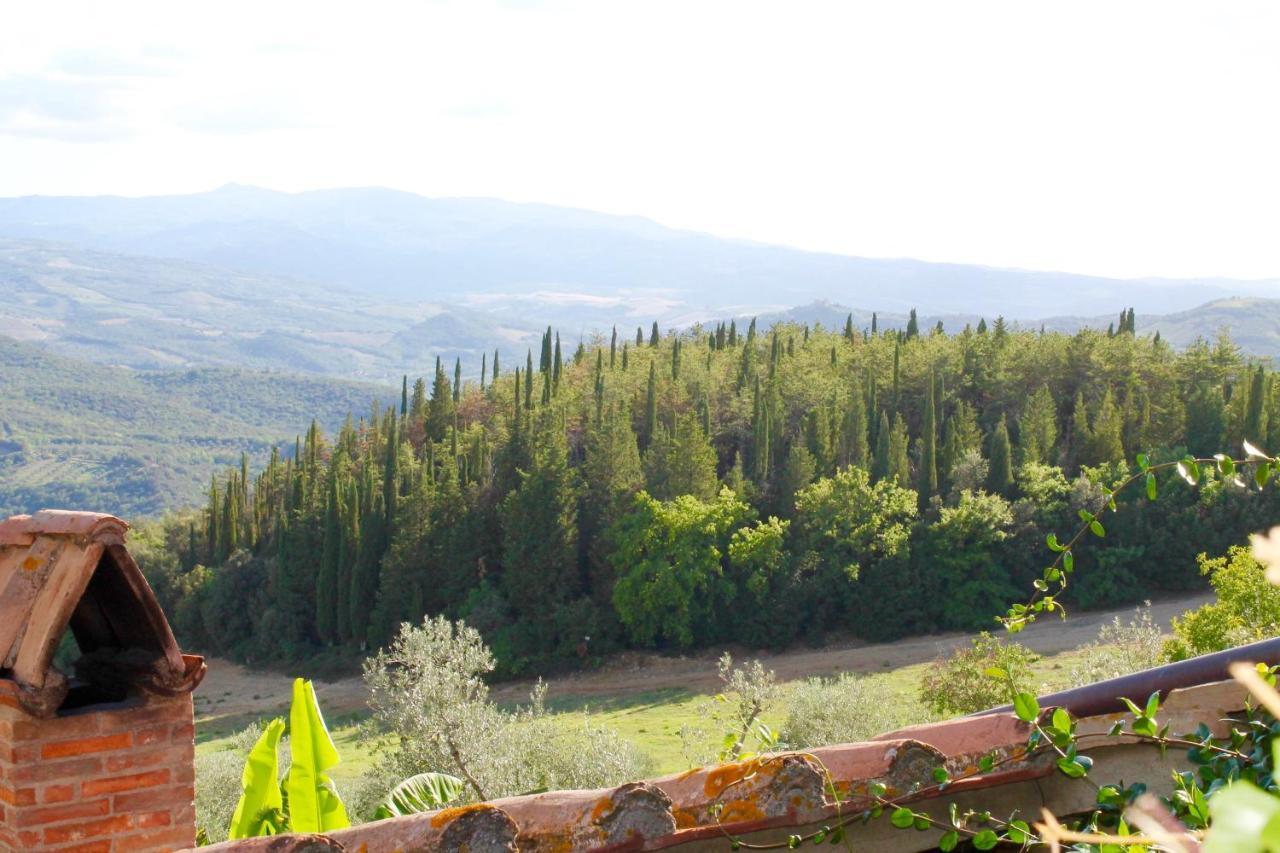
(625, 348)
(848, 328)
(495, 365)
(1080, 432)
(733, 333)
(1038, 427)
(1106, 443)
(927, 481)
(1000, 459)
(675, 360)
(897, 359)
(913, 325)
(854, 434)
(546, 387)
(639, 337)
(391, 475)
(556, 363)
(1255, 419)
(440, 409)
(350, 550)
(650, 407)
(613, 347)
(653, 335)
(899, 461)
(484, 363)
(404, 395)
(544, 359)
(457, 380)
(326, 617)
(881, 462)
(528, 380)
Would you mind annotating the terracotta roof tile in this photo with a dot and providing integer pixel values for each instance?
(61, 569)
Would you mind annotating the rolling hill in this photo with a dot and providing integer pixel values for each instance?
(96, 437)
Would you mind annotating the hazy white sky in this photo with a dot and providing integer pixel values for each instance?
(1124, 138)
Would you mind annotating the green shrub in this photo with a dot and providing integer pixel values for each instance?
(1247, 609)
(845, 709)
(429, 698)
(989, 672)
(1121, 648)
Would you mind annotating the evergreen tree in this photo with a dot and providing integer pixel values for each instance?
(1081, 433)
(882, 462)
(653, 335)
(556, 363)
(899, 460)
(1000, 461)
(1255, 421)
(457, 380)
(681, 461)
(733, 333)
(1038, 427)
(613, 347)
(650, 407)
(544, 360)
(927, 479)
(797, 472)
(327, 597)
(495, 365)
(874, 329)
(540, 540)
(528, 380)
(441, 408)
(1105, 443)
(913, 325)
(484, 364)
(404, 395)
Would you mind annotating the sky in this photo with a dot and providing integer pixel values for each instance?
(1116, 138)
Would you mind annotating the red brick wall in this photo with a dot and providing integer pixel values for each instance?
(99, 780)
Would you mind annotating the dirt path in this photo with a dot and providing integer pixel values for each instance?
(232, 692)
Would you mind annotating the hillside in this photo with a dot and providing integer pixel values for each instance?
(96, 437)
(151, 313)
(523, 260)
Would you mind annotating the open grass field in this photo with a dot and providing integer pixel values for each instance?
(647, 699)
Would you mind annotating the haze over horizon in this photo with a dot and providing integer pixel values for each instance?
(1129, 141)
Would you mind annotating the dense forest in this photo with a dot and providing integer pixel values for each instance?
(723, 484)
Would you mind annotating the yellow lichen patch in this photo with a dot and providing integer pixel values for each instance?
(602, 807)
(728, 774)
(31, 564)
(445, 816)
(685, 818)
(740, 810)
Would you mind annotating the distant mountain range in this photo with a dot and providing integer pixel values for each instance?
(527, 260)
(371, 284)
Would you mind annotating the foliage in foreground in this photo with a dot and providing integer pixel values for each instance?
(305, 800)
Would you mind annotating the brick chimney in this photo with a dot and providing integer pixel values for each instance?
(101, 759)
